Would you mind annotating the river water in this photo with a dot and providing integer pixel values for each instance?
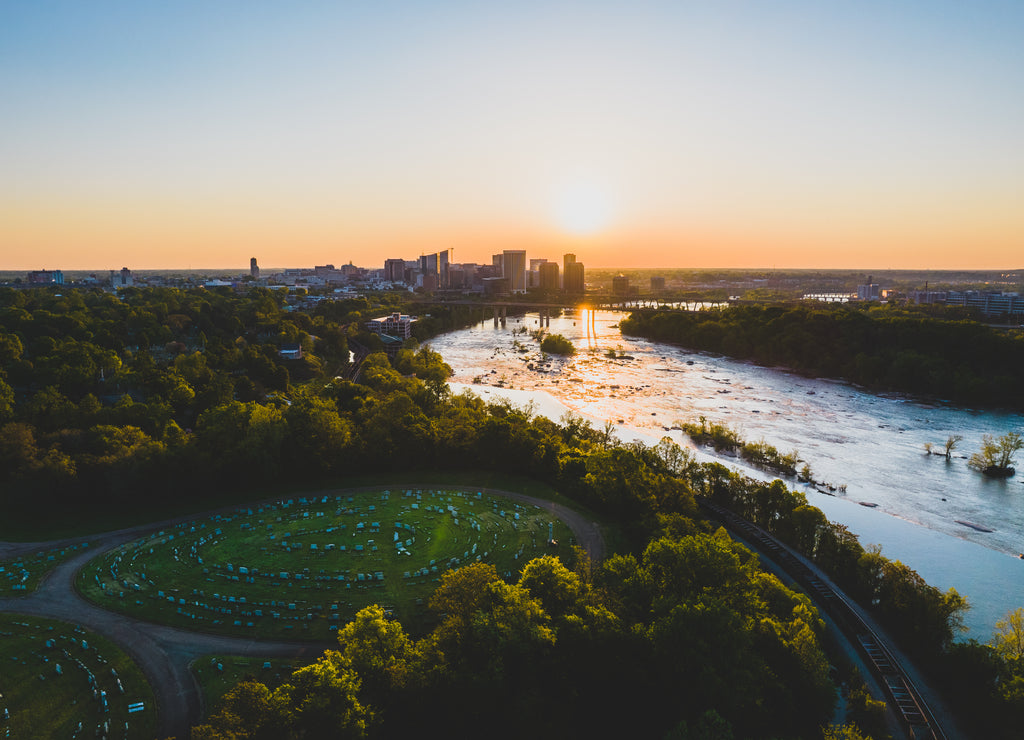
(921, 509)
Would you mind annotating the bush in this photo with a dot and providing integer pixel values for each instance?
(556, 344)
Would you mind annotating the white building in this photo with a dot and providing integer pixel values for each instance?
(395, 325)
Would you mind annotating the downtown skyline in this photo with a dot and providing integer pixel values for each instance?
(745, 134)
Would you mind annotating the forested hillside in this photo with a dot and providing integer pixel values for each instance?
(111, 405)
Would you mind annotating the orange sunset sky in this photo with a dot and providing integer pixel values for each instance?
(649, 134)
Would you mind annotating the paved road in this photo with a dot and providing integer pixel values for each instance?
(165, 653)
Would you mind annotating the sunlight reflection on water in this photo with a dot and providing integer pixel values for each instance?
(874, 444)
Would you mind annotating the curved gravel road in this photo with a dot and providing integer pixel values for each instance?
(165, 653)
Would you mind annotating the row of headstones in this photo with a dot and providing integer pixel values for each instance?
(99, 694)
(18, 569)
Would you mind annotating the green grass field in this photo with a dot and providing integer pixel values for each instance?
(301, 567)
(22, 575)
(59, 680)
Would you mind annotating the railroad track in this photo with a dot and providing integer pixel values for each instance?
(902, 695)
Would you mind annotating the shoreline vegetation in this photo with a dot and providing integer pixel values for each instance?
(162, 394)
(919, 350)
(758, 454)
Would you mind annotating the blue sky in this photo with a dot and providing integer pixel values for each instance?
(753, 133)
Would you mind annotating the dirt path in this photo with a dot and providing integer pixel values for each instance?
(165, 653)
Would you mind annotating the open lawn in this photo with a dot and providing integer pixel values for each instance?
(59, 680)
(300, 567)
(21, 575)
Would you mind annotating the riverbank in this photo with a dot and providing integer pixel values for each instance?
(992, 581)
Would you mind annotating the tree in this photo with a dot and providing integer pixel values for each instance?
(317, 436)
(243, 713)
(322, 701)
(1008, 639)
(461, 591)
(378, 650)
(843, 732)
(996, 455)
(559, 590)
(951, 442)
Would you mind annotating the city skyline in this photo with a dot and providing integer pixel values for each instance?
(663, 135)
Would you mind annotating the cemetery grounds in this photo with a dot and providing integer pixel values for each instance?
(21, 575)
(298, 568)
(60, 680)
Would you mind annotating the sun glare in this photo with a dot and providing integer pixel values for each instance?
(582, 208)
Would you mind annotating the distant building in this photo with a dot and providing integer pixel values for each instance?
(436, 265)
(45, 277)
(869, 292)
(456, 277)
(513, 269)
(254, 269)
(533, 274)
(549, 277)
(291, 351)
(395, 325)
(394, 270)
(620, 285)
(122, 279)
(573, 277)
(657, 284)
(495, 286)
(429, 282)
(988, 302)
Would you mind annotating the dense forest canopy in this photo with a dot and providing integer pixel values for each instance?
(919, 350)
(117, 402)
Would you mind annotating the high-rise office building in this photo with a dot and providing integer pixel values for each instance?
(254, 269)
(513, 268)
(436, 264)
(394, 270)
(548, 276)
(572, 279)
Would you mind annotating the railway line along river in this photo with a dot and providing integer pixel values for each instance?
(951, 524)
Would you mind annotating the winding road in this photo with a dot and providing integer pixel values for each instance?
(165, 654)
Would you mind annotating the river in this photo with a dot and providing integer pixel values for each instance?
(921, 509)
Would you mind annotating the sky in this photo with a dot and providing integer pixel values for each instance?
(875, 134)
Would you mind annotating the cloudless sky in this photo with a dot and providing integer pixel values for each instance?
(642, 134)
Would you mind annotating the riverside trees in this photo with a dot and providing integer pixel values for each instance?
(691, 626)
(910, 349)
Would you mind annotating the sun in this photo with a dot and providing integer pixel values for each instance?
(582, 208)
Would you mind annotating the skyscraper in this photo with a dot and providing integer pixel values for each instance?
(254, 269)
(548, 277)
(572, 279)
(513, 268)
(436, 264)
(394, 270)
